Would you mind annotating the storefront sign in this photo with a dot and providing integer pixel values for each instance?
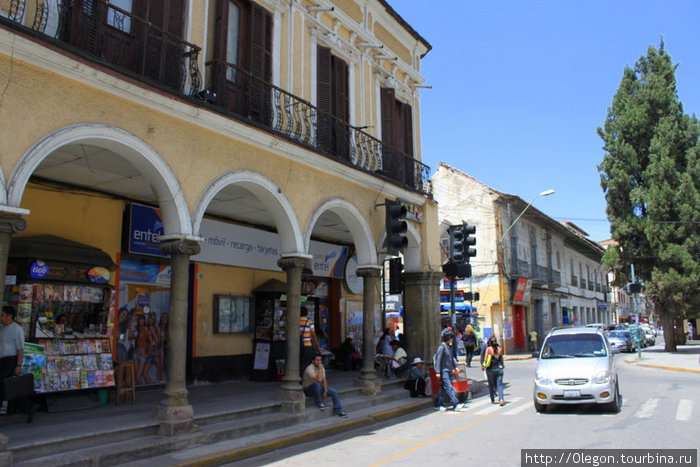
(98, 275)
(39, 269)
(236, 245)
(352, 281)
(145, 230)
(521, 292)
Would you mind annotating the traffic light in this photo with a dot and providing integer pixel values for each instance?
(634, 288)
(396, 227)
(471, 296)
(395, 279)
(461, 241)
(470, 241)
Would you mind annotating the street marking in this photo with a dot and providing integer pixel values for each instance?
(495, 407)
(430, 441)
(517, 410)
(647, 409)
(479, 403)
(684, 410)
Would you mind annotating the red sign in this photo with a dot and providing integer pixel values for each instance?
(520, 289)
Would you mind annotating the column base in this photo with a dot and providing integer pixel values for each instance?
(369, 383)
(6, 458)
(175, 420)
(293, 399)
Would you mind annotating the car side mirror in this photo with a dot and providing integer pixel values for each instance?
(536, 355)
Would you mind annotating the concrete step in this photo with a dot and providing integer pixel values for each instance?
(112, 447)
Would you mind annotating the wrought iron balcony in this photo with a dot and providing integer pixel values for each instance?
(133, 45)
(117, 38)
(238, 92)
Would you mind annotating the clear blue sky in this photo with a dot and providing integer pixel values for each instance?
(519, 88)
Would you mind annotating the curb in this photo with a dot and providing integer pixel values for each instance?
(314, 433)
(518, 357)
(662, 367)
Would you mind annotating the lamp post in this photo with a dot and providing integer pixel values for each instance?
(501, 260)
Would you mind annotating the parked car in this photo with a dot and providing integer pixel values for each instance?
(621, 341)
(576, 365)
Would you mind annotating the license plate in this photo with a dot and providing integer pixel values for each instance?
(572, 394)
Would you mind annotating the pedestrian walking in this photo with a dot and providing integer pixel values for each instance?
(469, 343)
(445, 369)
(494, 370)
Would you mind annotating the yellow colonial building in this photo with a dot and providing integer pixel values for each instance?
(180, 178)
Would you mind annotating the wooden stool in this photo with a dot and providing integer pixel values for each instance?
(125, 380)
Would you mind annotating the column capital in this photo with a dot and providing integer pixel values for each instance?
(289, 262)
(12, 224)
(181, 246)
(369, 271)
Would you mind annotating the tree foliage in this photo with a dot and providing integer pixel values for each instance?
(651, 180)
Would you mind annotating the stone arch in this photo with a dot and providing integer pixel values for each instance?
(270, 195)
(356, 224)
(171, 200)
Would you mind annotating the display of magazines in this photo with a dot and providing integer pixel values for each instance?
(71, 364)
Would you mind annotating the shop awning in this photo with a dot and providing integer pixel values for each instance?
(459, 306)
(52, 248)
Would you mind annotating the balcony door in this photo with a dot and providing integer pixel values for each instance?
(243, 59)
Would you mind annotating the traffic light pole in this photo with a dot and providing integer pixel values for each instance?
(453, 317)
(637, 313)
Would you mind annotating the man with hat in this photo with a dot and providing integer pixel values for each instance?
(417, 378)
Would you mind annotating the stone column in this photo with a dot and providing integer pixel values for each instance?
(174, 412)
(368, 377)
(291, 393)
(9, 225)
(421, 305)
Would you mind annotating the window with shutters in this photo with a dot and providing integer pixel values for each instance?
(333, 104)
(243, 59)
(397, 137)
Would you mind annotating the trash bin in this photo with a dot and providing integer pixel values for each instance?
(103, 396)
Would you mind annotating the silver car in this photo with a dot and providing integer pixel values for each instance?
(621, 341)
(575, 366)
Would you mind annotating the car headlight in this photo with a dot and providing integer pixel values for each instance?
(541, 378)
(601, 377)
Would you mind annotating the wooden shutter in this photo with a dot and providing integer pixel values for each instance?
(388, 103)
(323, 98)
(341, 108)
(406, 138)
(163, 57)
(260, 64)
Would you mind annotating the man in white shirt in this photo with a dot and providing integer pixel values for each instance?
(12, 355)
(315, 385)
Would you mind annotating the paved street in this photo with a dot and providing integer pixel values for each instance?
(660, 410)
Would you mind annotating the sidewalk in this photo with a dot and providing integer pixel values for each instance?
(687, 358)
(226, 410)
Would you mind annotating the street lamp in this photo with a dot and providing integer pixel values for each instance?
(503, 264)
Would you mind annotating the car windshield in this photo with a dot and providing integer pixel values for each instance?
(621, 334)
(574, 345)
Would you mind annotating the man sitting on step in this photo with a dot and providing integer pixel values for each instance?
(315, 385)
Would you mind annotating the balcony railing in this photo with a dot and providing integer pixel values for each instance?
(117, 38)
(236, 91)
(133, 45)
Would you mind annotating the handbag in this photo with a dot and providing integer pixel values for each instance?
(17, 386)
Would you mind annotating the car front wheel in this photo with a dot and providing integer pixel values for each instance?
(540, 408)
(616, 403)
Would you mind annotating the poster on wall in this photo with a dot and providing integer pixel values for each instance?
(262, 356)
(145, 230)
(142, 324)
(353, 321)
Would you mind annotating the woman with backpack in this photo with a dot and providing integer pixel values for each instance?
(493, 363)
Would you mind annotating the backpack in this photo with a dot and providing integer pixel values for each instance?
(435, 361)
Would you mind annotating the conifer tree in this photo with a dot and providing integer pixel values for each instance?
(651, 180)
